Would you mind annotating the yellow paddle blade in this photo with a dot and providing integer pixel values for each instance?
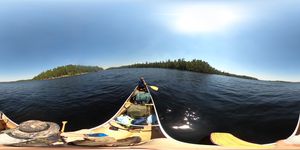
(155, 88)
(229, 140)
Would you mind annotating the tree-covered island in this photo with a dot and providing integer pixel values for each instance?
(181, 64)
(65, 71)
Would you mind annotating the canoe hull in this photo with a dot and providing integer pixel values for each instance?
(6, 123)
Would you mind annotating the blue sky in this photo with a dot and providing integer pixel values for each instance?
(256, 38)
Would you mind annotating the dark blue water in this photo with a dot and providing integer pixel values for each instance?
(190, 105)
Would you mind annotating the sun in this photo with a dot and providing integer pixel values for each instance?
(199, 19)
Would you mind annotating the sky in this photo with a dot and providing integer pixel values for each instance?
(256, 38)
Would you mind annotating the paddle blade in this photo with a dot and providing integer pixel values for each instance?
(155, 88)
(229, 140)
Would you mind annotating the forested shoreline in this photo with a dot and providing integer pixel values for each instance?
(64, 71)
(194, 65)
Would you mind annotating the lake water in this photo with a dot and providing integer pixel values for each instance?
(190, 105)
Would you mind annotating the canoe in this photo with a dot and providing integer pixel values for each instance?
(144, 136)
(151, 135)
(228, 140)
(119, 131)
(6, 123)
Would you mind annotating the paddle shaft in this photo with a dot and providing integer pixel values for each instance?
(63, 126)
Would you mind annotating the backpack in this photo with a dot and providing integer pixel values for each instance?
(142, 98)
(137, 111)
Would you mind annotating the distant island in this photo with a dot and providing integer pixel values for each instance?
(195, 66)
(65, 71)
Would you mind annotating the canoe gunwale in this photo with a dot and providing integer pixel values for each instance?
(123, 106)
(144, 131)
(8, 122)
(296, 131)
(117, 113)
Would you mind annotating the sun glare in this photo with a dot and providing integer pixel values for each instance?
(203, 18)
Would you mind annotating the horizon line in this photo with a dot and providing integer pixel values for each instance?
(106, 68)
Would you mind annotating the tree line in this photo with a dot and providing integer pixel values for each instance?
(194, 65)
(68, 70)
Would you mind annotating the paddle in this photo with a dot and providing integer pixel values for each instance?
(142, 81)
(63, 126)
(155, 88)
